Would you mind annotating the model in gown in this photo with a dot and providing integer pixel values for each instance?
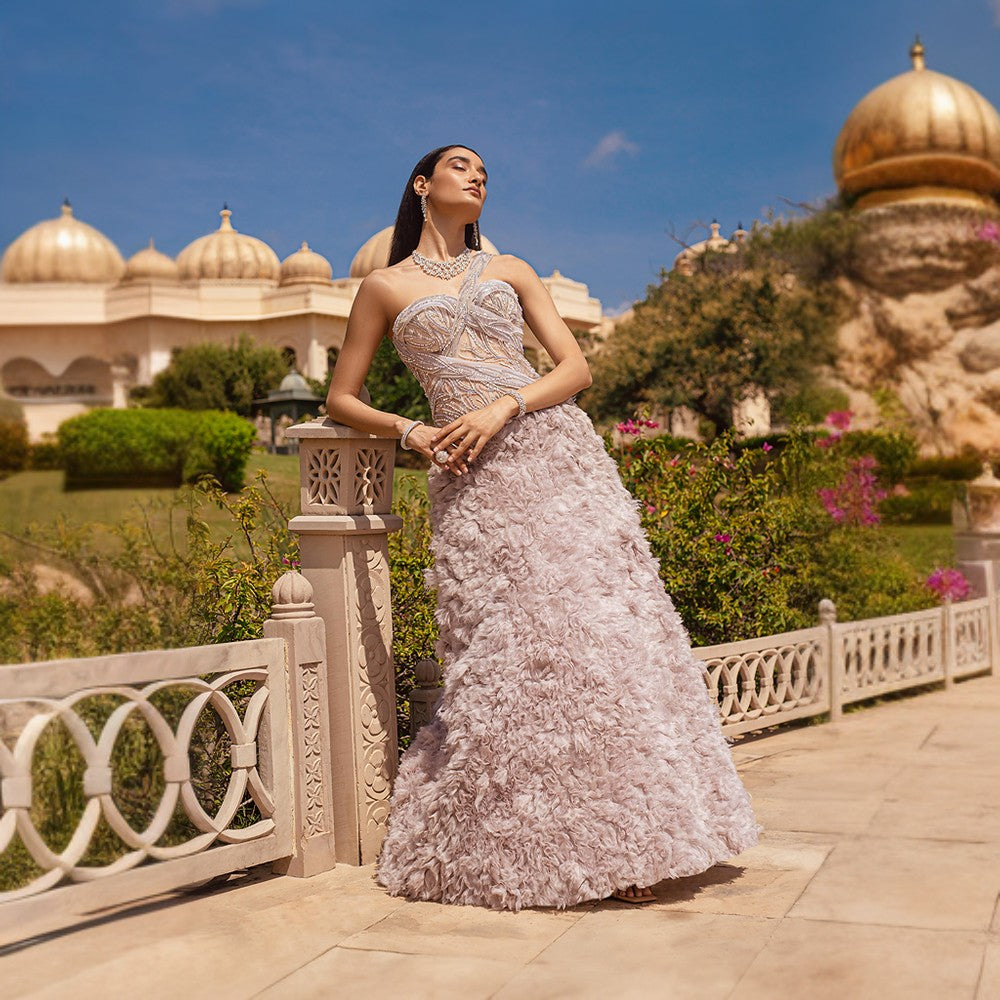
(576, 751)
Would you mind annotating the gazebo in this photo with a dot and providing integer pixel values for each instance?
(288, 404)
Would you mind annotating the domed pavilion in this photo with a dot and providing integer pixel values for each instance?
(918, 159)
(80, 325)
(920, 136)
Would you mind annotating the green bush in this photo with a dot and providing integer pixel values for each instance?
(14, 447)
(45, 454)
(745, 545)
(895, 451)
(927, 501)
(215, 377)
(957, 468)
(414, 630)
(154, 448)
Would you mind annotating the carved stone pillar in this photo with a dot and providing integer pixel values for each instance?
(346, 494)
(294, 620)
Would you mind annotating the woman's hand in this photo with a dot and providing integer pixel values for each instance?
(465, 437)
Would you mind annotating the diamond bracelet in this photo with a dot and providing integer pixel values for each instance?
(520, 401)
(402, 440)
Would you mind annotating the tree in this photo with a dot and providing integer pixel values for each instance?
(216, 377)
(761, 319)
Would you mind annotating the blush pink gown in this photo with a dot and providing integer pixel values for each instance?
(576, 749)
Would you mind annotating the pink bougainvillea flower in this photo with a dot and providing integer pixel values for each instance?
(675, 461)
(722, 537)
(766, 447)
(949, 584)
(840, 419)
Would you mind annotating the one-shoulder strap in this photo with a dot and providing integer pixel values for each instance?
(465, 296)
(476, 268)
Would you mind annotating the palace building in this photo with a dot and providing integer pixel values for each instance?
(80, 325)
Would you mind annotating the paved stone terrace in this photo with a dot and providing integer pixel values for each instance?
(878, 876)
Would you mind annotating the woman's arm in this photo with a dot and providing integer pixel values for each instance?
(366, 326)
(571, 373)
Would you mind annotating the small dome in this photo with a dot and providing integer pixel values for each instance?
(716, 243)
(304, 267)
(375, 253)
(151, 265)
(919, 135)
(228, 255)
(294, 382)
(62, 249)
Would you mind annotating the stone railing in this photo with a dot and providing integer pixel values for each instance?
(312, 753)
(759, 683)
(263, 702)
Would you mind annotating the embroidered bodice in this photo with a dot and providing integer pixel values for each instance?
(465, 350)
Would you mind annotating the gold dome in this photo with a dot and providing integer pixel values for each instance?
(920, 135)
(228, 255)
(62, 249)
(306, 267)
(375, 253)
(151, 265)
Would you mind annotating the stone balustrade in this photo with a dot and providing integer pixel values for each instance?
(315, 749)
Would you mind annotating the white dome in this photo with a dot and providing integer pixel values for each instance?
(62, 249)
(228, 255)
(306, 267)
(149, 264)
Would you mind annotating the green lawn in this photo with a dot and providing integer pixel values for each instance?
(925, 546)
(38, 498)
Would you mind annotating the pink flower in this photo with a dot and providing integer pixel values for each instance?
(766, 447)
(828, 441)
(722, 537)
(649, 423)
(948, 584)
(840, 419)
(650, 508)
(854, 498)
(675, 461)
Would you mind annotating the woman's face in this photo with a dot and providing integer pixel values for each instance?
(458, 184)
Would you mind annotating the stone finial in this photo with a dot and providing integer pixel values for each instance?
(427, 673)
(291, 597)
(827, 612)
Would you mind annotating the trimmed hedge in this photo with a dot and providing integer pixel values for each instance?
(14, 447)
(107, 447)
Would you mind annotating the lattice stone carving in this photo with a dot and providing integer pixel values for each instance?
(323, 476)
(771, 682)
(16, 792)
(971, 636)
(370, 477)
(884, 654)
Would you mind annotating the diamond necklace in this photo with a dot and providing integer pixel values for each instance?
(444, 269)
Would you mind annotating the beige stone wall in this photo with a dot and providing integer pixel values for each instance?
(926, 324)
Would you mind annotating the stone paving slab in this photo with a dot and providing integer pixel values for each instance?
(878, 875)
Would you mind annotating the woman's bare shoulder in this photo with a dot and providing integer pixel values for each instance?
(510, 268)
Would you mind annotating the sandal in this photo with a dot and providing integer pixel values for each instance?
(619, 894)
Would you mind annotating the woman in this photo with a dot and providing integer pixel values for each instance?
(576, 752)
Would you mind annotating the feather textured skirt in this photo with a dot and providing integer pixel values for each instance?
(576, 748)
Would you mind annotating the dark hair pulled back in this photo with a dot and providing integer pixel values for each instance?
(410, 220)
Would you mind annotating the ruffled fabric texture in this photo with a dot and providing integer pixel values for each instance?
(576, 748)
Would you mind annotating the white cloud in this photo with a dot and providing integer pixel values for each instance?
(613, 145)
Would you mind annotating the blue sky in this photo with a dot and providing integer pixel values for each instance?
(604, 126)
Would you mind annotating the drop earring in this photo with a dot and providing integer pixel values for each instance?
(423, 206)
(477, 245)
